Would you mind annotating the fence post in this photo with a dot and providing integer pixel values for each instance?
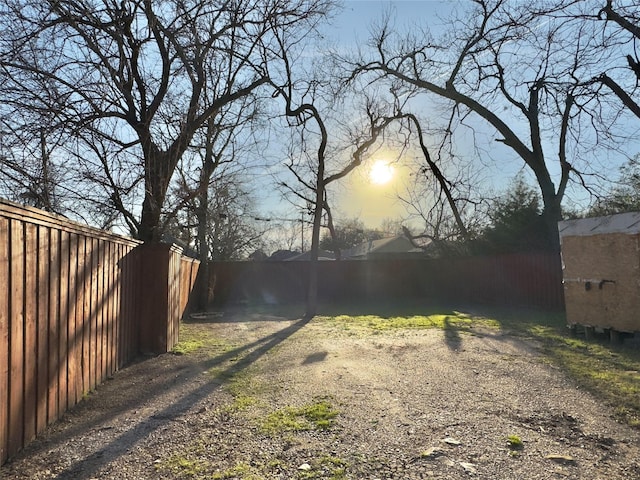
(159, 280)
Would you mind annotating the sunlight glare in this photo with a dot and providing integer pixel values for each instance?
(381, 172)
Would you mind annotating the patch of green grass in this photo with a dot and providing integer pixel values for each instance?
(333, 468)
(192, 462)
(189, 463)
(453, 320)
(276, 463)
(193, 338)
(337, 467)
(187, 346)
(241, 470)
(183, 466)
(514, 442)
(319, 415)
(241, 385)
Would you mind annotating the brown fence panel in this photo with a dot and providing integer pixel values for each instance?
(4, 338)
(94, 360)
(71, 313)
(528, 280)
(62, 312)
(113, 290)
(188, 273)
(160, 296)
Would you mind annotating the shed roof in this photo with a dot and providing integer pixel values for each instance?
(628, 223)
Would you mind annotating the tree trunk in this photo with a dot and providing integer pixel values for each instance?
(159, 167)
(203, 246)
(312, 292)
(552, 214)
(149, 231)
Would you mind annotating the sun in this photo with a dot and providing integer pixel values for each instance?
(381, 172)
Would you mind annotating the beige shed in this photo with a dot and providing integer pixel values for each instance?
(601, 271)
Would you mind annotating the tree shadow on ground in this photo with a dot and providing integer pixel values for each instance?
(243, 357)
(452, 335)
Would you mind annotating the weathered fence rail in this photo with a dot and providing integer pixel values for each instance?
(70, 314)
(527, 280)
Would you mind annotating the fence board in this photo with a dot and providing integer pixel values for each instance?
(16, 351)
(85, 277)
(134, 287)
(110, 315)
(123, 307)
(106, 334)
(102, 331)
(30, 343)
(79, 306)
(54, 324)
(43, 326)
(72, 335)
(63, 331)
(137, 293)
(4, 338)
(94, 361)
(117, 284)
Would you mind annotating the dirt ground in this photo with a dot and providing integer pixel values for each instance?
(408, 404)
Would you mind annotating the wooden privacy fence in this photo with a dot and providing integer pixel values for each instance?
(71, 313)
(527, 280)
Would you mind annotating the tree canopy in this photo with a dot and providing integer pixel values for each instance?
(516, 223)
(108, 107)
(133, 81)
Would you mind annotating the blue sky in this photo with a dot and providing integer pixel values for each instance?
(355, 196)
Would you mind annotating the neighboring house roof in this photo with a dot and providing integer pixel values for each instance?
(382, 247)
(628, 223)
(280, 255)
(391, 246)
(306, 256)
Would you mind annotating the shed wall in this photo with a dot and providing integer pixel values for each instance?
(601, 278)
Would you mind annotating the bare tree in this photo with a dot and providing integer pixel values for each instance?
(138, 73)
(305, 113)
(209, 187)
(504, 63)
(626, 20)
(310, 103)
(29, 174)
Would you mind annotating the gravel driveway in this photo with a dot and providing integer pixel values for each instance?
(396, 405)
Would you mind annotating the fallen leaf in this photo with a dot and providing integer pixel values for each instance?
(560, 458)
(451, 441)
(431, 452)
(468, 467)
